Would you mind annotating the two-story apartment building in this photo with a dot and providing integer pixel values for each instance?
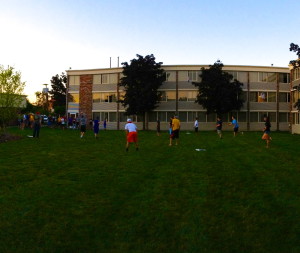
(266, 90)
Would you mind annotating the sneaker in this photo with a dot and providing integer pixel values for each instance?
(137, 149)
(126, 149)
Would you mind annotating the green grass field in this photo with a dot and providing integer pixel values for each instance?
(65, 194)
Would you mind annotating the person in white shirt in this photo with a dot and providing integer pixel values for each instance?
(131, 134)
(196, 125)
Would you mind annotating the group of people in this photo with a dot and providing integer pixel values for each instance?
(131, 128)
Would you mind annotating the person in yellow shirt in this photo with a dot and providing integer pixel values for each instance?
(175, 130)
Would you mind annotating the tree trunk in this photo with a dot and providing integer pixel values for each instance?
(144, 121)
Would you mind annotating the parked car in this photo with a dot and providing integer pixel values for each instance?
(44, 119)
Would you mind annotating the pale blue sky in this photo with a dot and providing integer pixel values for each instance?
(42, 38)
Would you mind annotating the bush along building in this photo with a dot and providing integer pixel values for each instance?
(266, 91)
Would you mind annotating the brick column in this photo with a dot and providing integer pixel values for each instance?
(86, 96)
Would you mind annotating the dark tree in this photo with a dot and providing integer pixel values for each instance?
(295, 48)
(58, 92)
(218, 92)
(142, 78)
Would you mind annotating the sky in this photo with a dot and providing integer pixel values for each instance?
(42, 38)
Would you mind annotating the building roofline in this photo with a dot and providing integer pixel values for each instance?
(183, 67)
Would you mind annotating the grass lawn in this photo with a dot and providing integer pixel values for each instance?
(65, 194)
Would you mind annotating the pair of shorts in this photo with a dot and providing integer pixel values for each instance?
(196, 129)
(219, 131)
(83, 128)
(132, 137)
(236, 129)
(266, 136)
(175, 134)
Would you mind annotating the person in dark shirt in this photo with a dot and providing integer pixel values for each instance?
(267, 131)
(158, 127)
(219, 127)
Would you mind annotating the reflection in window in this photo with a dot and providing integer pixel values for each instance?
(74, 97)
(104, 97)
(262, 96)
(171, 95)
(266, 77)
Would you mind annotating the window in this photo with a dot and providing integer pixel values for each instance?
(74, 80)
(271, 115)
(104, 79)
(183, 116)
(104, 97)
(253, 96)
(202, 116)
(192, 116)
(271, 96)
(211, 117)
(262, 96)
(182, 95)
(242, 116)
(112, 117)
(266, 77)
(152, 116)
(123, 117)
(283, 117)
(96, 115)
(74, 97)
(284, 77)
(169, 115)
(253, 117)
(296, 74)
(162, 116)
(96, 79)
(193, 76)
(162, 96)
(244, 95)
(284, 97)
(170, 76)
(296, 118)
(234, 74)
(171, 95)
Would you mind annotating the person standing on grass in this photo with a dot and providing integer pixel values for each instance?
(267, 131)
(96, 127)
(175, 130)
(196, 125)
(131, 134)
(37, 125)
(219, 127)
(170, 125)
(158, 127)
(235, 125)
(104, 124)
(82, 122)
(63, 122)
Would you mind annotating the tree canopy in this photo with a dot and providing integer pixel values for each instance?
(141, 80)
(295, 48)
(217, 91)
(11, 90)
(59, 89)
